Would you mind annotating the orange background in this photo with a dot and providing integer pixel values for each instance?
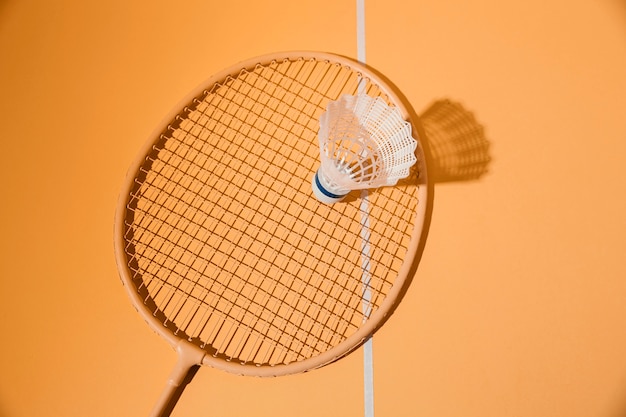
(519, 305)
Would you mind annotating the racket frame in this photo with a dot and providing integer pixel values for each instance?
(190, 354)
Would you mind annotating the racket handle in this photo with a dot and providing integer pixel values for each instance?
(189, 360)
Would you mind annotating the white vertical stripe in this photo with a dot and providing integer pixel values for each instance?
(360, 30)
(368, 354)
(368, 378)
(368, 357)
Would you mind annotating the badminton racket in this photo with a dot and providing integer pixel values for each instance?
(224, 250)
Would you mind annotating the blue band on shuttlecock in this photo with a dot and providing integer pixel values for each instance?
(324, 190)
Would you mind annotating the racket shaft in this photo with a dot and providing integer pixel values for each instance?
(189, 361)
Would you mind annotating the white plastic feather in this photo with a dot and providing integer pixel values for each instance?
(364, 143)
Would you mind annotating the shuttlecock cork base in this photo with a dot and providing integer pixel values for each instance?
(364, 143)
(321, 190)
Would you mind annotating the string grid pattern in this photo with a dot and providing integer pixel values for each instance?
(227, 245)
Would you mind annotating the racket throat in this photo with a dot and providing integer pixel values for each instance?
(190, 358)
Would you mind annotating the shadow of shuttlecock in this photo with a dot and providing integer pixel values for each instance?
(459, 150)
(454, 147)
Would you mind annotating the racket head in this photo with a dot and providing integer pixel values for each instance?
(218, 237)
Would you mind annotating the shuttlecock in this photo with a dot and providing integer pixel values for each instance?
(364, 143)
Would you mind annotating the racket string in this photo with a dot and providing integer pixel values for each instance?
(222, 215)
(273, 163)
